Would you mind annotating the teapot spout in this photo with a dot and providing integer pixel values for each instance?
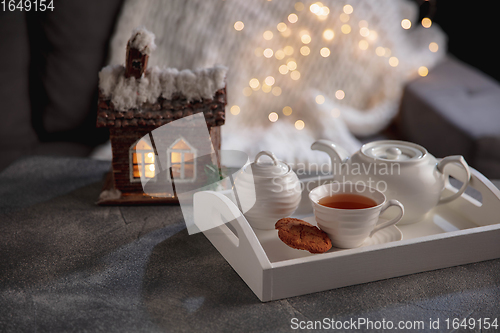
(338, 155)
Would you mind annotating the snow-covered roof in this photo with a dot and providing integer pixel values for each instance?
(131, 93)
(159, 95)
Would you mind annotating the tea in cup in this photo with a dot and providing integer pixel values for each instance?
(349, 213)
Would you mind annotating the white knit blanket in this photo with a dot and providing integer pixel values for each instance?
(201, 33)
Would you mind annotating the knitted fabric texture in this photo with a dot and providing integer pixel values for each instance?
(201, 33)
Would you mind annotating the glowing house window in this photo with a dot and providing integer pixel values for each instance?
(182, 160)
(142, 161)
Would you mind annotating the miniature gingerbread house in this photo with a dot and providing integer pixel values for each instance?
(134, 101)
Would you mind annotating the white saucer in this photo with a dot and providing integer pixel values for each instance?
(386, 235)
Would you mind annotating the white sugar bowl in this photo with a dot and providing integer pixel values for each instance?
(267, 191)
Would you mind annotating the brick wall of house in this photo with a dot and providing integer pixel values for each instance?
(122, 139)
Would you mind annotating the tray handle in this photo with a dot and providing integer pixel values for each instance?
(235, 242)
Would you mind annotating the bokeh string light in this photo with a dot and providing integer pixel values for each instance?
(340, 94)
(283, 69)
(254, 83)
(279, 54)
(295, 75)
(281, 27)
(328, 34)
(299, 124)
(433, 47)
(345, 28)
(273, 117)
(288, 67)
(268, 35)
(293, 18)
(305, 50)
(324, 52)
(363, 44)
(320, 99)
(423, 71)
(406, 24)
(393, 61)
(348, 9)
(238, 25)
(269, 80)
(299, 6)
(288, 50)
(426, 22)
(364, 31)
(235, 110)
(268, 53)
(276, 91)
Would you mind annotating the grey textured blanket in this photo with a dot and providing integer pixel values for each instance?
(69, 265)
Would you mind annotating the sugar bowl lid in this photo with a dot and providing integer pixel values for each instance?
(393, 150)
(267, 169)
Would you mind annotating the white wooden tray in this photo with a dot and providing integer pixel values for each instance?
(463, 231)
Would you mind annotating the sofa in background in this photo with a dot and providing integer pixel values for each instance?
(48, 89)
(455, 110)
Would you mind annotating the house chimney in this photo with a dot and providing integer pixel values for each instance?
(139, 47)
(136, 62)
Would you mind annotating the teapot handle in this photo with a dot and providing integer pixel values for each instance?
(267, 153)
(455, 159)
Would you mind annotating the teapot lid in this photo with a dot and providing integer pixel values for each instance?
(392, 150)
(268, 169)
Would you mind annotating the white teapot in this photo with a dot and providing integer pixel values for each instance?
(402, 170)
(267, 192)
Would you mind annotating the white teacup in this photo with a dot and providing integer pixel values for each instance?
(349, 228)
